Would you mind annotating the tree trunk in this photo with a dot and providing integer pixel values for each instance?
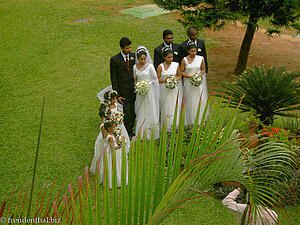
(245, 48)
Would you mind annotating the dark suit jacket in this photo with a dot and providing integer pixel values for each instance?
(122, 78)
(200, 51)
(158, 55)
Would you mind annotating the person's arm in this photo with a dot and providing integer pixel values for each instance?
(156, 58)
(153, 74)
(182, 67)
(103, 131)
(112, 145)
(205, 57)
(114, 74)
(178, 73)
(159, 69)
(230, 202)
(114, 78)
(202, 67)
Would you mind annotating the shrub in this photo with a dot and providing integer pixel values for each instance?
(267, 92)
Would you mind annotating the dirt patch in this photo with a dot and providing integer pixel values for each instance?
(278, 51)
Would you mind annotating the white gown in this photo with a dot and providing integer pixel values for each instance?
(147, 106)
(118, 162)
(194, 93)
(99, 147)
(168, 96)
(124, 131)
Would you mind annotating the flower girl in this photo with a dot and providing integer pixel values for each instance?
(104, 113)
(110, 126)
(110, 97)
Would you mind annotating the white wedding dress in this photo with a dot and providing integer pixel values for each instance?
(118, 162)
(98, 155)
(168, 97)
(194, 93)
(147, 106)
(123, 129)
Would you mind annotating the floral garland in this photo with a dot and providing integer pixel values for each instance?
(110, 93)
(117, 134)
(118, 117)
(196, 79)
(171, 82)
(142, 87)
(107, 108)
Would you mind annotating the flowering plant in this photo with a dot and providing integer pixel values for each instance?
(171, 82)
(142, 87)
(118, 117)
(277, 135)
(196, 79)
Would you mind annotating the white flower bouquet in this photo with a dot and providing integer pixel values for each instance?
(142, 87)
(171, 82)
(196, 79)
(118, 117)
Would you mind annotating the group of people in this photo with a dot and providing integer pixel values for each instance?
(169, 78)
(167, 81)
(177, 71)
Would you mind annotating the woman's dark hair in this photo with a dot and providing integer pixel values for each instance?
(124, 42)
(108, 124)
(166, 51)
(141, 52)
(110, 94)
(166, 32)
(191, 45)
(104, 110)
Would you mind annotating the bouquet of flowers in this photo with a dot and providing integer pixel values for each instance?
(118, 117)
(171, 82)
(117, 134)
(196, 79)
(142, 87)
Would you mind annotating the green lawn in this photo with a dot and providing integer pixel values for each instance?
(45, 52)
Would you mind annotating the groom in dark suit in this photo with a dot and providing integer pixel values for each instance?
(192, 34)
(121, 75)
(168, 42)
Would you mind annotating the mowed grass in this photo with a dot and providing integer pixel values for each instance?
(45, 52)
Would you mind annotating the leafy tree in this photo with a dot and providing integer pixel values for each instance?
(214, 14)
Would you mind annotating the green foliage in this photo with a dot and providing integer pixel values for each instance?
(278, 135)
(267, 92)
(214, 14)
(212, 157)
(285, 192)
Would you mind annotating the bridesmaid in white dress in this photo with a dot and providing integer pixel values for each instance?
(110, 98)
(168, 96)
(146, 106)
(112, 146)
(104, 113)
(191, 65)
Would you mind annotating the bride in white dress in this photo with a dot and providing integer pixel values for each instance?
(146, 106)
(191, 65)
(169, 96)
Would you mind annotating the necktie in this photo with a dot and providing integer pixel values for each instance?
(127, 62)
